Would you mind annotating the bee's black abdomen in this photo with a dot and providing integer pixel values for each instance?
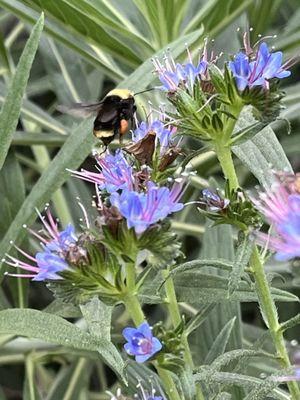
(108, 121)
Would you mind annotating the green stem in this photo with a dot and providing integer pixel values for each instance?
(271, 318)
(176, 320)
(224, 155)
(130, 277)
(134, 309)
(266, 301)
(169, 384)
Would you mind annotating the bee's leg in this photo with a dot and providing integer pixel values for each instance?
(117, 131)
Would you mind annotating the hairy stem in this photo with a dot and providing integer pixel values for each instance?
(135, 311)
(225, 158)
(270, 315)
(176, 320)
(266, 301)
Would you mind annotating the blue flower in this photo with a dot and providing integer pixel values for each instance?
(46, 264)
(49, 265)
(163, 134)
(141, 343)
(213, 201)
(116, 171)
(266, 66)
(144, 209)
(64, 240)
(173, 75)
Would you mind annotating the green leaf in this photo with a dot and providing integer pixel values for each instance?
(247, 133)
(234, 355)
(11, 108)
(12, 195)
(138, 373)
(199, 318)
(98, 318)
(71, 381)
(83, 27)
(30, 138)
(244, 381)
(197, 264)
(290, 323)
(30, 390)
(242, 258)
(56, 330)
(223, 396)
(187, 383)
(35, 114)
(262, 155)
(196, 287)
(60, 33)
(261, 391)
(220, 343)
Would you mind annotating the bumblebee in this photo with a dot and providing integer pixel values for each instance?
(114, 114)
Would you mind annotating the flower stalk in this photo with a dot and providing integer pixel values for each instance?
(269, 310)
(135, 311)
(176, 320)
(267, 304)
(224, 155)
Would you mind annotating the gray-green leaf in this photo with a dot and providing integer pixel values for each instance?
(11, 108)
(56, 330)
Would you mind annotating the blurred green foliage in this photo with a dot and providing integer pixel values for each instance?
(88, 47)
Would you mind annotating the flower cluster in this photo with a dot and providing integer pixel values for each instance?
(141, 343)
(153, 143)
(162, 133)
(144, 209)
(48, 263)
(281, 207)
(138, 199)
(258, 72)
(174, 75)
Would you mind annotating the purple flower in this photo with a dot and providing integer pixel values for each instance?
(114, 173)
(258, 72)
(47, 263)
(213, 201)
(141, 343)
(173, 75)
(163, 134)
(281, 207)
(146, 208)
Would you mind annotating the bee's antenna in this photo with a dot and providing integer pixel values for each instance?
(102, 152)
(147, 90)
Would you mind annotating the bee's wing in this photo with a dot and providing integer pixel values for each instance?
(81, 109)
(108, 113)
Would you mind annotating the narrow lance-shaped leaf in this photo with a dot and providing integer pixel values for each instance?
(199, 318)
(290, 323)
(242, 258)
(233, 355)
(262, 155)
(11, 108)
(220, 343)
(71, 381)
(56, 330)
